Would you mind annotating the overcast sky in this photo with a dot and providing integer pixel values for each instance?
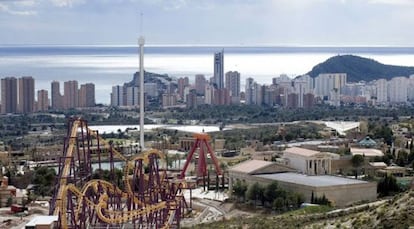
(224, 22)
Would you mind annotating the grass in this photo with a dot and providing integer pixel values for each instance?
(310, 210)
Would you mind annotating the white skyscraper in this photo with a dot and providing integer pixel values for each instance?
(209, 94)
(309, 82)
(397, 90)
(410, 89)
(381, 91)
(325, 84)
(117, 96)
(132, 95)
(300, 88)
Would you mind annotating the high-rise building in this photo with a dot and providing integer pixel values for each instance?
(233, 85)
(191, 98)
(71, 94)
(269, 95)
(169, 100)
(282, 79)
(309, 82)
(117, 96)
(221, 97)
(87, 95)
(249, 91)
(300, 88)
(308, 100)
(292, 100)
(182, 83)
(42, 100)
(397, 90)
(57, 99)
(219, 69)
(329, 84)
(132, 95)
(381, 91)
(200, 84)
(26, 94)
(209, 94)
(410, 92)
(8, 95)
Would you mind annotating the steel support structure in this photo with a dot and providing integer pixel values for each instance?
(147, 198)
(202, 144)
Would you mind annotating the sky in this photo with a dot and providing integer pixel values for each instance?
(208, 22)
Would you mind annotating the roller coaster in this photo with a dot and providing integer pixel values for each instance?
(146, 198)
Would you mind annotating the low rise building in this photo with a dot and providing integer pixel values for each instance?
(307, 161)
(339, 190)
(367, 152)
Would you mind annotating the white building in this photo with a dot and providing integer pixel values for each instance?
(309, 82)
(397, 90)
(382, 91)
(307, 161)
(132, 96)
(117, 96)
(326, 83)
(209, 94)
(300, 88)
(410, 89)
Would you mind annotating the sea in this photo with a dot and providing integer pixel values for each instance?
(107, 66)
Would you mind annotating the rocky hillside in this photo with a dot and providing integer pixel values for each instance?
(359, 68)
(397, 212)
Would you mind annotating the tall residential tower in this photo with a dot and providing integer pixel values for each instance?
(219, 69)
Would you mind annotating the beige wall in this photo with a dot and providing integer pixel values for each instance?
(340, 195)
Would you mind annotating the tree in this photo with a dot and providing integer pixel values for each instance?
(387, 185)
(255, 192)
(402, 158)
(44, 179)
(279, 204)
(357, 160)
(270, 192)
(239, 190)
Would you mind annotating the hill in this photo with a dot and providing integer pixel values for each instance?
(393, 213)
(359, 68)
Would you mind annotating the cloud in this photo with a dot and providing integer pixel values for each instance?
(393, 2)
(6, 8)
(65, 3)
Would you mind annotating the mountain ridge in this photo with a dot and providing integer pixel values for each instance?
(360, 68)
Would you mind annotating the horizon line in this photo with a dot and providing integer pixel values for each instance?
(208, 45)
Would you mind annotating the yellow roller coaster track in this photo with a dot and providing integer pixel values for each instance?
(102, 209)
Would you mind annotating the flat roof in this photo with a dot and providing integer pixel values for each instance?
(42, 220)
(367, 152)
(378, 164)
(342, 126)
(314, 181)
(250, 166)
(301, 151)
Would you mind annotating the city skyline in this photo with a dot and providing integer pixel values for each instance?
(263, 22)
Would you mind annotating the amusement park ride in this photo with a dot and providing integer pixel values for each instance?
(146, 199)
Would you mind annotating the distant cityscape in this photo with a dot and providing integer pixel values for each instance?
(301, 92)
(162, 91)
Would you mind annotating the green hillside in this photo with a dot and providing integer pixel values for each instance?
(359, 68)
